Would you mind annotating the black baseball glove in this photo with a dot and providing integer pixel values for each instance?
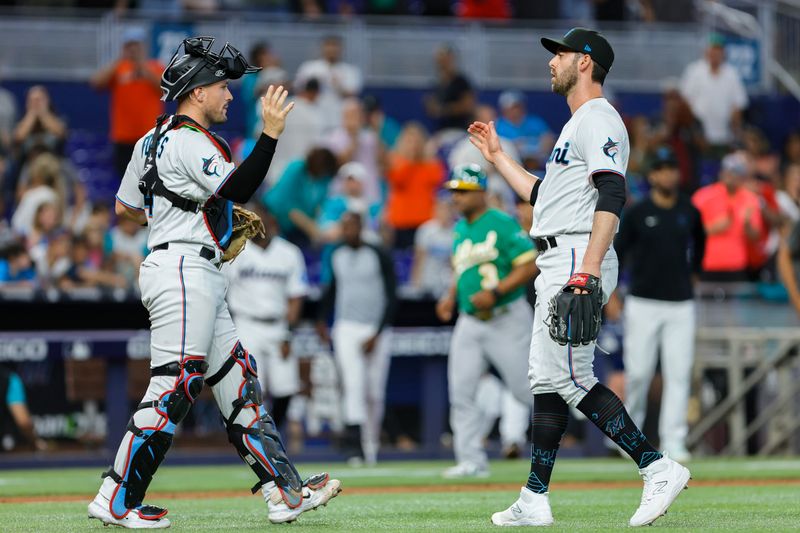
(575, 318)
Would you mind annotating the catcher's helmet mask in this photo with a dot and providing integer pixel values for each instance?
(199, 66)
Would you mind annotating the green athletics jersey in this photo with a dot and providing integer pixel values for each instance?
(484, 252)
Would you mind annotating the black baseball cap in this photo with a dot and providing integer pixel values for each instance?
(663, 157)
(585, 41)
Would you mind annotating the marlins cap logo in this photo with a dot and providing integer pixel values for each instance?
(220, 73)
(611, 149)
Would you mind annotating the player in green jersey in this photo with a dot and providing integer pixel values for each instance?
(493, 258)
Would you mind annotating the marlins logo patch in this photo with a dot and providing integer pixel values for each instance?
(211, 165)
(611, 149)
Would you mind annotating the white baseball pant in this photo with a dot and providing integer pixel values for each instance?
(650, 326)
(565, 370)
(502, 342)
(363, 378)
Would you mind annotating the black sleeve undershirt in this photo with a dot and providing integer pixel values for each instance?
(247, 177)
(612, 192)
(535, 191)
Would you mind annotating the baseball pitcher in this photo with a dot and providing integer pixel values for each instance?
(576, 212)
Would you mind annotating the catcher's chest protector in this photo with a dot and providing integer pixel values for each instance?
(217, 211)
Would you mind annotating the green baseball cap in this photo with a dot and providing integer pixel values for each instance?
(467, 178)
(585, 41)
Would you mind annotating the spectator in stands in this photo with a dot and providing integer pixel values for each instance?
(788, 197)
(731, 216)
(529, 133)
(16, 267)
(87, 268)
(464, 153)
(46, 185)
(128, 244)
(432, 271)
(766, 163)
(40, 129)
(353, 141)
(8, 118)
(716, 95)
(661, 243)
(52, 261)
(46, 224)
(761, 251)
(387, 128)
(483, 9)
(260, 56)
(452, 104)
(678, 129)
(303, 187)
(338, 80)
(134, 83)
(327, 228)
(791, 148)
(667, 10)
(77, 213)
(304, 128)
(361, 298)
(414, 176)
(15, 418)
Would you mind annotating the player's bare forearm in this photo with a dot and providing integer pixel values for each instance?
(517, 177)
(136, 215)
(519, 275)
(293, 310)
(604, 226)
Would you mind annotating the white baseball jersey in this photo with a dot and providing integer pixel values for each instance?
(192, 165)
(261, 280)
(594, 140)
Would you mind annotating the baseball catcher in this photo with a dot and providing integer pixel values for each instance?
(182, 183)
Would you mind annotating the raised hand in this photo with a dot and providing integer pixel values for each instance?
(273, 110)
(484, 137)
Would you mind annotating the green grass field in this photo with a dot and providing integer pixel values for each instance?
(754, 495)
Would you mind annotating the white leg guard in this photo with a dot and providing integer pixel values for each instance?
(173, 388)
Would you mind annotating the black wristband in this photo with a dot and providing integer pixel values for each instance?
(497, 294)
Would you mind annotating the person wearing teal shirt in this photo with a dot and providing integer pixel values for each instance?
(302, 187)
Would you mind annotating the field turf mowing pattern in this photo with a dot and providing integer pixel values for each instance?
(594, 495)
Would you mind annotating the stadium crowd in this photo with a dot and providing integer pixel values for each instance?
(342, 151)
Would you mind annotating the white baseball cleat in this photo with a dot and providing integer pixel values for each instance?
(663, 479)
(530, 509)
(317, 491)
(462, 470)
(144, 517)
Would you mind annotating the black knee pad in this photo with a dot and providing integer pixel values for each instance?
(176, 404)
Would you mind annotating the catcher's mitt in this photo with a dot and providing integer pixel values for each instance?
(246, 225)
(575, 318)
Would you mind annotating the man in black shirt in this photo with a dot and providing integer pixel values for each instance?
(661, 242)
(452, 104)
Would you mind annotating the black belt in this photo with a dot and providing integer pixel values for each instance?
(545, 243)
(205, 252)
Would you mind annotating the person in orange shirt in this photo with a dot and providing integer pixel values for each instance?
(414, 176)
(134, 83)
(732, 218)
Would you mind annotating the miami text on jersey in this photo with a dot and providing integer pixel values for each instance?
(469, 254)
(559, 155)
